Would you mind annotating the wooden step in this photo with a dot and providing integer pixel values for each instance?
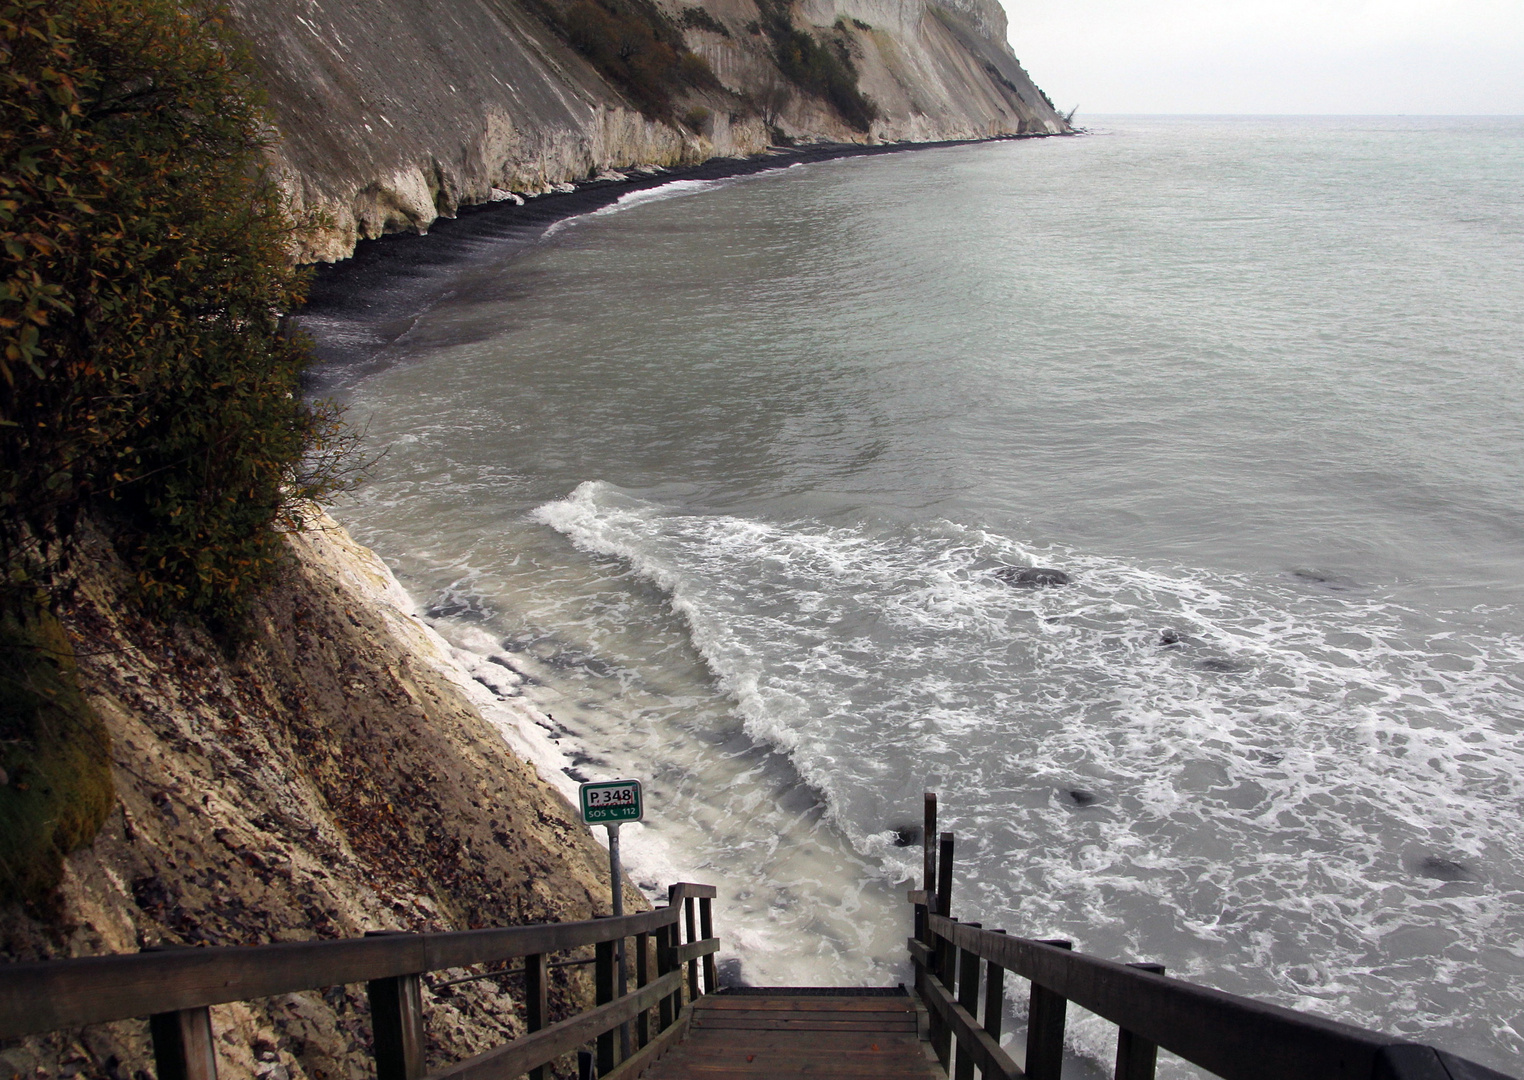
(799, 1035)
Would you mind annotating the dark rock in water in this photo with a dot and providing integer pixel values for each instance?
(905, 835)
(1081, 798)
(1444, 869)
(1168, 637)
(1331, 582)
(729, 973)
(1032, 577)
(1224, 665)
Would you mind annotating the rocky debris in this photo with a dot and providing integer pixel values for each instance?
(321, 781)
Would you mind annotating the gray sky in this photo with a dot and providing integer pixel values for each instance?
(1275, 56)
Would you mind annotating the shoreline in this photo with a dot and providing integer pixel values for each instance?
(374, 296)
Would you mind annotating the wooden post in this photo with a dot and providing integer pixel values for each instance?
(994, 996)
(642, 977)
(706, 930)
(664, 1015)
(1045, 1028)
(944, 876)
(603, 993)
(1137, 1057)
(928, 842)
(968, 997)
(182, 1044)
(945, 973)
(693, 983)
(943, 958)
(535, 1001)
(396, 1023)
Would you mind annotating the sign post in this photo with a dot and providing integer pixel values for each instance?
(611, 803)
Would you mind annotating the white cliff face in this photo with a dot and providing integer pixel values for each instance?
(395, 112)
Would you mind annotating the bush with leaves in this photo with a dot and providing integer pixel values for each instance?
(818, 68)
(146, 382)
(637, 48)
(144, 376)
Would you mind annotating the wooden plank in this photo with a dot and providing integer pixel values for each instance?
(183, 1047)
(1137, 1058)
(771, 1023)
(684, 889)
(993, 1061)
(1046, 1012)
(690, 917)
(848, 1042)
(891, 1058)
(870, 1047)
(536, 1001)
(52, 994)
(902, 1060)
(968, 1000)
(806, 1003)
(396, 1021)
(944, 874)
(928, 851)
(920, 952)
(994, 997)
(649, 1054)
(684, 954)
(681, 1070)
(706, 932)
(718, 1018)
(603, 994)
(519, 1056)
(642, 977)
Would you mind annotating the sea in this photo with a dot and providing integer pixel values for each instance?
(731, 474)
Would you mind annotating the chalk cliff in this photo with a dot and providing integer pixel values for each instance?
(394, 112)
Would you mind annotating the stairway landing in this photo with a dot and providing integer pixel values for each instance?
(800, 1032)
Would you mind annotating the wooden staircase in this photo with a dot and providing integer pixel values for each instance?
(801, 1032)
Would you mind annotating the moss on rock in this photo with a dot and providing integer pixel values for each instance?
(55, 754)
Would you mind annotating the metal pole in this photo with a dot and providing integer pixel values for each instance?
(616, 881)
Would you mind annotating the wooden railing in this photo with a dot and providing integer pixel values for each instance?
(174, 989)
(958, 964)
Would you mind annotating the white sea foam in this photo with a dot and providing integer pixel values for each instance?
(1296, 781)
(672, 190)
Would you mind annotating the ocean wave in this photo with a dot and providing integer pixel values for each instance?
(1293, 771)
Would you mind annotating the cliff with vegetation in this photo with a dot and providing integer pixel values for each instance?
(328, 776)
(219, 721)
(394, 112)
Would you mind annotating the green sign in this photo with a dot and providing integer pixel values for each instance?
(612, 802)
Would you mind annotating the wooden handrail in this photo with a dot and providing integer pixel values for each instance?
(53, 994)
(684, 953)
(521, 1055)
(1233, 1037)
(48, 995)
